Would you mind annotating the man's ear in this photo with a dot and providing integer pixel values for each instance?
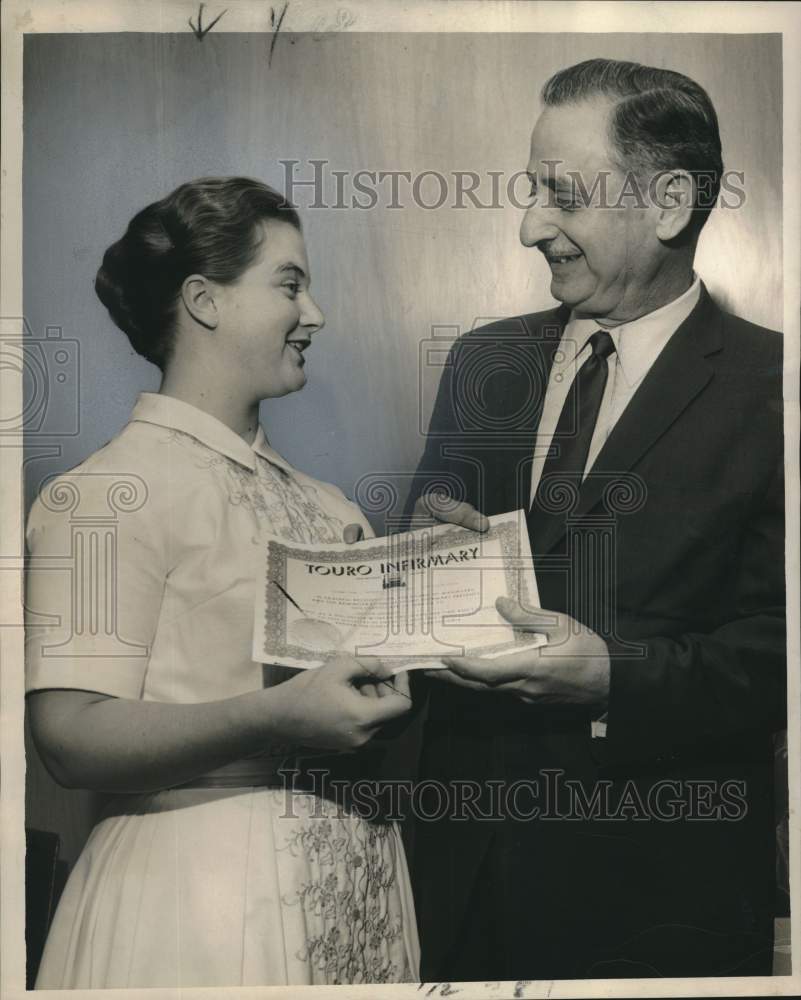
(674, 197)
(197, 294)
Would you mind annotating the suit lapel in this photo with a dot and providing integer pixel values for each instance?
(678, 375)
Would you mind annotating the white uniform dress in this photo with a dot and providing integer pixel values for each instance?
(147, 554)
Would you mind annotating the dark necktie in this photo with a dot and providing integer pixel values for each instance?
(563, 469)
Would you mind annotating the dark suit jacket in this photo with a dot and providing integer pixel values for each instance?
(673, 550)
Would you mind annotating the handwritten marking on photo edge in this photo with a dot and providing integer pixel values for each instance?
(198, 29)
(275, 24)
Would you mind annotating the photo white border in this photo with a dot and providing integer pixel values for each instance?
(20, 17)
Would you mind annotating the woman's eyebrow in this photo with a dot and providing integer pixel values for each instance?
(291, 266)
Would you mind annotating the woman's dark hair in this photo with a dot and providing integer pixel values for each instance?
(210, 226)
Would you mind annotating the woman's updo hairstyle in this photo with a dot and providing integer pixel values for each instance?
(210, 226)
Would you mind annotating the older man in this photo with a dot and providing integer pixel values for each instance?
(624, 825)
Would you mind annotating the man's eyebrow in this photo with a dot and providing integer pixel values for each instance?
(291, 266)
(550, 181)
(557, 183)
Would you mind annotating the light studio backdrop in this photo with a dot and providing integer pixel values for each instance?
(115, 121)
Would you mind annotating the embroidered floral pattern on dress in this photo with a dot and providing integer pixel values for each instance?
(293, 511)
(295, 507)
(352, 927)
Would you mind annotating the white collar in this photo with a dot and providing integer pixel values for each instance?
(175, 414)
(638, 342)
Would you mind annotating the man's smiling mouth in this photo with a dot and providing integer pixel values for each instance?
(563, 258)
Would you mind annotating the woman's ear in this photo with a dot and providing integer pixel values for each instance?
(197, 294)
(675, 198)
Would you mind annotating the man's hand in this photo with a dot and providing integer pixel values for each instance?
(573, 669)
(440, 507)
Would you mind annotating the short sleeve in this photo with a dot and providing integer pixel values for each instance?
(95, 580)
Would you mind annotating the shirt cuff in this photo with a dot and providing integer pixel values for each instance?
(598, 727)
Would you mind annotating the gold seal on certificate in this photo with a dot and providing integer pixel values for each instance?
(412, 597)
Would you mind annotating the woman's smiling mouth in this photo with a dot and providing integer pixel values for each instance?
(299, 346)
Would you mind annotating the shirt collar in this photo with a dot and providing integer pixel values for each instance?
(639, 342)
(166, 411)
(262, 447)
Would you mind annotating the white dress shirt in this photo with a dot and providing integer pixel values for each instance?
(637, 346)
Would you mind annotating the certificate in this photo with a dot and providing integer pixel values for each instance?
(412, 598)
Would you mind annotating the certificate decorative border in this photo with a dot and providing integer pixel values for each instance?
(274, 622)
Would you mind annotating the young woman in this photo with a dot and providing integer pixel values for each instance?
(204, 870)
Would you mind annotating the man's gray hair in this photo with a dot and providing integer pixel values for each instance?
(661, 120)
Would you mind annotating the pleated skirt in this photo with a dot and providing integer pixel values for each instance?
(233, 887)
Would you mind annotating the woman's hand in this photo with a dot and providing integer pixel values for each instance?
(94, 741)
(340, 705)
